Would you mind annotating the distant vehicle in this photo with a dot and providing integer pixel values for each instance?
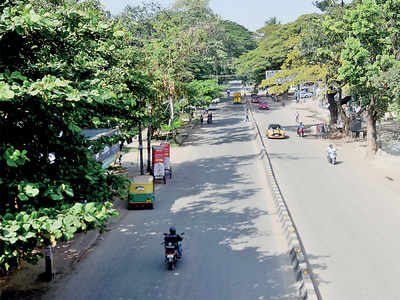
(292, 90)
(275, 131)
(216, 100)
(237, 98)
(263, 105)
(255, 99)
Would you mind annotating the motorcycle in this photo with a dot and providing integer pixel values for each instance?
(171, 251)
(332, 157)
(300, 132)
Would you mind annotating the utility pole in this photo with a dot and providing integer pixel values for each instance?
(148, 148)
(149, 139)
(141, 149)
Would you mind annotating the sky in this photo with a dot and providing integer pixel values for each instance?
(249, 13)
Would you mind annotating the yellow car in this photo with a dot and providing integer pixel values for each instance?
(275, 131)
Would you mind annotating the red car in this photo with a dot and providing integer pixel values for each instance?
(263, 105)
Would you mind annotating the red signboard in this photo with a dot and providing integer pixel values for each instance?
(158, 155)
(167, 153)
(166, 147)
(158, 162)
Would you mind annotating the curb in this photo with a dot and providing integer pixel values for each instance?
(307, 284)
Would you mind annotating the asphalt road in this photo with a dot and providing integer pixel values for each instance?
(233, 248)
(347, 215)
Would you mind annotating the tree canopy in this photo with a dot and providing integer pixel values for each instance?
(353, 47)
(69, 65)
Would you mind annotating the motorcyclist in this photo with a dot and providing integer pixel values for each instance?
(176, 239)
(331, 149)
(301, 126)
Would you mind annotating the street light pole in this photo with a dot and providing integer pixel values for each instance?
(149, 141)
(141, 149)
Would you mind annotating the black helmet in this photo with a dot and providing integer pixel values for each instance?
(172, 230)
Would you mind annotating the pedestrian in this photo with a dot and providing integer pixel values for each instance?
(247, 115)
(297, 117)
(201, 119)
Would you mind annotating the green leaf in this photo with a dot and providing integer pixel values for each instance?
(31, 190)
(90, 207)
(68, 191)
(119, 33)
(11, 163)
(89, 218)
(76, 209)
(30, 234)
(22, 197)
(5, 92)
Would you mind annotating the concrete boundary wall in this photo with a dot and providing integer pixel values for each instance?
(307, 285)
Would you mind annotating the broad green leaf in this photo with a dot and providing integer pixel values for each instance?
(30, 235)
(5, 92)
(31, 190)
(77, 208)
(23, 197)
(89, 218)
(11, 163)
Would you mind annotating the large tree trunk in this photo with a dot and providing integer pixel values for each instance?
(345, 119)
(371, 129)
(333, 110)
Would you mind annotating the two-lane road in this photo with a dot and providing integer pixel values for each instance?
(347, 215)
(233, 247)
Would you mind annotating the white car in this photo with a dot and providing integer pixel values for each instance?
(215, 101)
(292, 90)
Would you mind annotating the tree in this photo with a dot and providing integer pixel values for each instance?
(272, 21)
(367, 54)
(64, 67)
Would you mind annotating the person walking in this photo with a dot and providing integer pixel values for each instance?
(247, 114)
(297, 117)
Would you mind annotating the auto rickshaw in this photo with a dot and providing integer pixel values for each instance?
(237, 98)
(141, 192)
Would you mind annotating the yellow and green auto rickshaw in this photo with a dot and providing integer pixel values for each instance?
(237, 98)
(141, 192)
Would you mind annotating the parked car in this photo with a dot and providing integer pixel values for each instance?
(263, 105)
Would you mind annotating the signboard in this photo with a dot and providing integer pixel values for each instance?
(167, 157)
(158, 161)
